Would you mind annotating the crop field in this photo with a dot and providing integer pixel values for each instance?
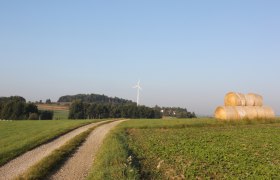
(60, 114)
(60, 111)
(17, 137)
(190, 149)
(52, 107)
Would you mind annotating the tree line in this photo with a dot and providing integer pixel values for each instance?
(82, 110)
(177, 112)
(94, 98)
(16, 108)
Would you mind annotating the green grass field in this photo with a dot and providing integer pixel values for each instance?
(17, 137)
(60, 114)
(190, 149)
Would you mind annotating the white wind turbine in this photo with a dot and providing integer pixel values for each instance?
(138, 91)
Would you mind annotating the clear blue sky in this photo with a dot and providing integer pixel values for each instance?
(186, 53)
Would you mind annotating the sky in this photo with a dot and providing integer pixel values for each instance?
(186, 53)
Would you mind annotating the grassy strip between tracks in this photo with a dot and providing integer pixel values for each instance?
(114, 159)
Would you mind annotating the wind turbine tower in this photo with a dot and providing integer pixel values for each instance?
(138, 91)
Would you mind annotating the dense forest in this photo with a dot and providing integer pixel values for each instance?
(94, 98)
(16, 108)
(82, 110)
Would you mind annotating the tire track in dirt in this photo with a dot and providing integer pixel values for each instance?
(23, 162)
(78, 166)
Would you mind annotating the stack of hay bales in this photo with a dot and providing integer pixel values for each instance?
(240, 106)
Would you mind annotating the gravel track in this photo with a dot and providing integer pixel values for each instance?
(77, 167)
(20, 164)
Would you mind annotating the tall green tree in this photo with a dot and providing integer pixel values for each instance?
(77, 110)
(45, 115)
(48, 101)
(16, 108)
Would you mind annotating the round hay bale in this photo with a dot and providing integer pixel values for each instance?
(235, 99)
(226, 113)
(244, 112)
(269, 113)
(241, 112)
(260, 112)
(251, 112)
(250, 99)
(258, 99)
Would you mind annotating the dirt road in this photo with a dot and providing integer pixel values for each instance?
(20, 164)
(77, 167)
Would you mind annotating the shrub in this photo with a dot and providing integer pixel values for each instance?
(46, 115)
(33, 116)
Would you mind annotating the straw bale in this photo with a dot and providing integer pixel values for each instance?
(251, 112)
(226, 113)
(258, 99)
(244, 112)
(235, 99)
(269, 113)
